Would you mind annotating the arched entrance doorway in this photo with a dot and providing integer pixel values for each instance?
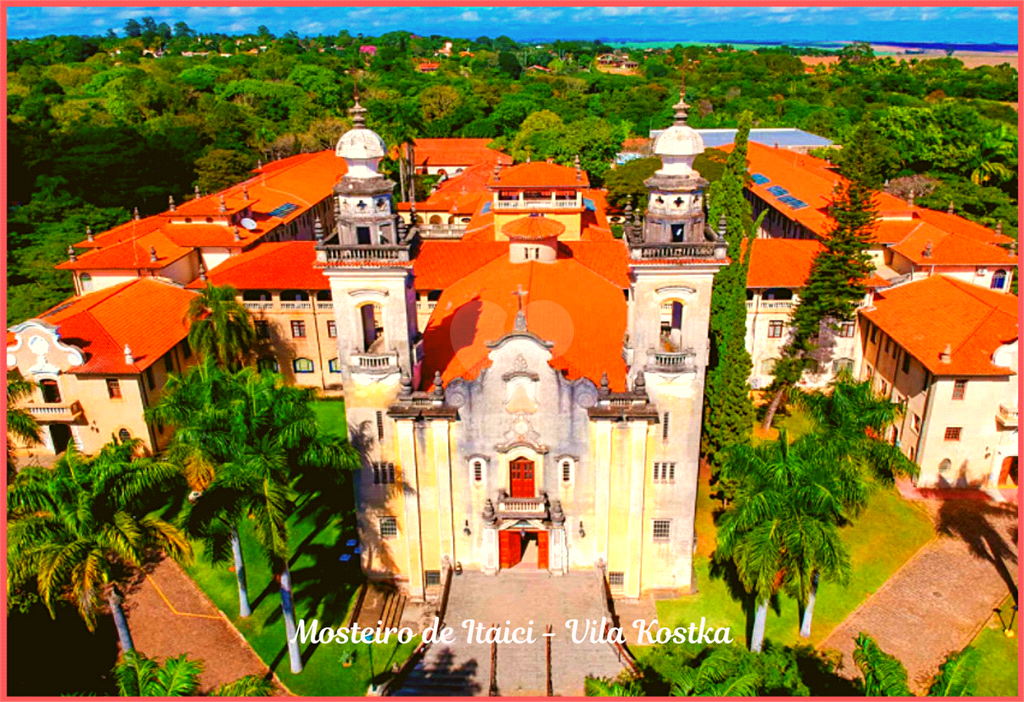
(526, 549)
(1008, 472)
(60, 435)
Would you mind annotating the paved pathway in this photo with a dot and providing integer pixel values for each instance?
(169, 615)
(516, 596)
(939, 600)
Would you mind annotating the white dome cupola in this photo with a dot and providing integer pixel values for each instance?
(680, 144)
(361, 148)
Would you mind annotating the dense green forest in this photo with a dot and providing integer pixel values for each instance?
(100, 125)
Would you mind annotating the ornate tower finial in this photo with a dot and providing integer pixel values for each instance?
(927, 253)
(681, 106)
(223, 203)
(497, 172)
(152, 254)
(238, 234)
(318, 231)
(137, 213)
(88, 233)
(202, 271)
(128, 358)
(438, 385)
(910, 200)
(358, 113)
(259, 164)
(999, 227)
(72, 256)
(579, 171)
(723, 225)
(406, 386)
(245, 191)
(170, 203)
(947, 354)
(950, 209)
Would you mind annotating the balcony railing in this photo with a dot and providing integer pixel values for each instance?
(426, 306)
(325, 305)
(750, 305)
(693, 249)
(55, 412)
(684, 361)
(776, 304)
(297, 305)
(545, 204)
(393, 252)
(442, 231)
(258, 306)
(523, 507)
(1007, 415)
(374, 362)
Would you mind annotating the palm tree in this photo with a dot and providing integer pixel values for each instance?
(726, 672)
(997, 157)
(850, 420)
(21, 426)
(884, 675)
(956, 675)
(139, 676)
(245, 438)
(783, 523)
(220, 326)
(84, 527)
(605, 687)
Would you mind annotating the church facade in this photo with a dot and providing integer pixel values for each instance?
(548, 412)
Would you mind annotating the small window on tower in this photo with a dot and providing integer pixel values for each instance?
(388, 527)
(363, 235)
(616, 581)
(678, 233)
(433, 577)
(662, 529)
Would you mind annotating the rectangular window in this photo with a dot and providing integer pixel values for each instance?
(363, 236)
(388, 527)
(915, 422)
(662, 529)
(616, 581)
(953, 433)
(383, 473)
(478, 471)
(169, 362)
(298, 329)
(332, 329)
(186, 349)
(380, 425)
(51, 393)
(887, 344)
(114, 388)
(874, 333)
(959, 389)
(664, 472)
(262, 329)
(906, 362)
(664, 427)
(775, 329)
(433, 577)
(150, 380)
(334, 366)
(846, 329)
(566, 471)
(303, 365)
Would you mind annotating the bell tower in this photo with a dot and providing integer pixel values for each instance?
(368, 260)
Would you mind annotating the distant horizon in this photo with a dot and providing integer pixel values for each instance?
(796, 26)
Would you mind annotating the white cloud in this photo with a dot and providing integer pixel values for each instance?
(470, 16)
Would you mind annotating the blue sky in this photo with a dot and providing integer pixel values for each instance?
(810, 24)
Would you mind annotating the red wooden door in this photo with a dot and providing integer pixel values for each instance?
(542, 550)
(521, 478)
(510, 549)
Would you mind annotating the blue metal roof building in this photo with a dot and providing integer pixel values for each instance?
(783, 137)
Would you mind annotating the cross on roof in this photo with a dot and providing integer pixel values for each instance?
(520, 293)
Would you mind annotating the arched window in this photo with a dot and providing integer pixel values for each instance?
(842, 364)
(86, 280)
(777, 294)
(51, 393)
(373, 328)
(124, 435)
(672, 325)
(477, 467)
(945, 465)
(256, 296)
(323, 296)
(567, 471)
(294, 296)
(436, 219)
(768, 366)
(998, 280)
(334, 366)
(268, 363)
(302, 365)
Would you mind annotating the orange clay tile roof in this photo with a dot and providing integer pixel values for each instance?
(539, 174)
(950, 249)
(150, 316)
(302, 180)
(781, 263)
(533, 227)
(926, 315)
(582, 313)
(956, 223)
(466, 192)
(438, 153)
(131, 254)
(284, 265)
(441, 263)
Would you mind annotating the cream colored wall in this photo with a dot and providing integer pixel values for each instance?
(184, 270)
(976, 275)
(107, 278)
(984, 439)
(214, 256)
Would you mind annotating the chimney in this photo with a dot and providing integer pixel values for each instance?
(579, 171)
(152, 254)
(927, 253)
(259, 164)
(88, 233)
(238, 237)
(245, 191)
(197, 193)
(999, 227)
(950, 210)
(910, 200)
(128, 359)
(947, 354)
(497, 172)
(137, 213)
(223, 205)
(202, 272)
(170, 203)
(71, 254)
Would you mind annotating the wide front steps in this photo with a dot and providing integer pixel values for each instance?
(383, 604)
(515, 598)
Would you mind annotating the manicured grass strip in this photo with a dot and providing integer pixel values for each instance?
(996, 671)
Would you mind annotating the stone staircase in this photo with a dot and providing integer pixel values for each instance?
(515, 598)
(384, 604)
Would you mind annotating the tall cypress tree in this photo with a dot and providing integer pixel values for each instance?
(729, 412)
(835, 286)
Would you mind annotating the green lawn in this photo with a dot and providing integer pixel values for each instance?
(996, 671)
(331, 415)
(884, 537)
(324, 585)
